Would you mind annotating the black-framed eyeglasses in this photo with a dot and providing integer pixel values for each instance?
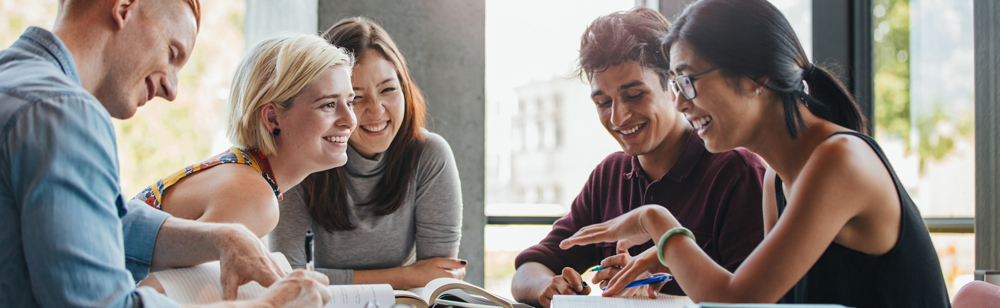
(685, 84)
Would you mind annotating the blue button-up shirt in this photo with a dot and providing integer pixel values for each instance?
(63, 222)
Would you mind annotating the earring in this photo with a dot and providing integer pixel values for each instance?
(758, 91)
(276, 131)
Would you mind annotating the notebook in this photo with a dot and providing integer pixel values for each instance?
(200, 285)
(584, 301)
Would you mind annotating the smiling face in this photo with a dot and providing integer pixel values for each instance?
(721, 116)
(315, 129)
(379, 104)
(143, 59)
(634, 107)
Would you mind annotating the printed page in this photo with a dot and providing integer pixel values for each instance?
(583, 301)
(200, 284)
(359, 295)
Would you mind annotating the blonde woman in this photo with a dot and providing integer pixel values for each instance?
(289, 115)
(393, 214)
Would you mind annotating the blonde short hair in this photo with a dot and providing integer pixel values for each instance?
(275, 70)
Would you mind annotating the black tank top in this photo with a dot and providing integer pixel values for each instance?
(909, 275)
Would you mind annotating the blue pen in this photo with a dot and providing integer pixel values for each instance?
(657, 278)
(598, 269)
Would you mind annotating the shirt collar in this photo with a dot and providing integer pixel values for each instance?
(48, 46)
(694, 147)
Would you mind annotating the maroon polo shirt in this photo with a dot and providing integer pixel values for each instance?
(718, 196)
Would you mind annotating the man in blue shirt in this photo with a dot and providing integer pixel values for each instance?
(68, 238)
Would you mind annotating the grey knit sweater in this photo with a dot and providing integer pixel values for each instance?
(427, 225)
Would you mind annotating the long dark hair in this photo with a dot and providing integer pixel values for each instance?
(325, 192)
(752, 38)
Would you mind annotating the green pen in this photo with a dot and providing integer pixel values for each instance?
(598, 269)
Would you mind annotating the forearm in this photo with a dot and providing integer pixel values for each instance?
(530, 280)
(698, 275)
(398, 277)
(224, 305)
(183, 243)
(233, 304)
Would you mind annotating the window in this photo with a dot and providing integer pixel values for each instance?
(924, 88)
(528, 69)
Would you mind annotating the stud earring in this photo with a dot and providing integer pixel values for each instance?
(758, 91)
(276, 131)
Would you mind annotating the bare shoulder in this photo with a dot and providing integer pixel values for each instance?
(237, 193)
(845, 175)
(842, 173)
(846, 155)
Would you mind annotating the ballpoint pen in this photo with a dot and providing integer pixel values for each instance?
(656, 278)
(309, 250)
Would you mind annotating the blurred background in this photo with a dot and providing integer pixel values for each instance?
(542, 135)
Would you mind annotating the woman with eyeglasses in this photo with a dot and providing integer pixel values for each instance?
(839, 226)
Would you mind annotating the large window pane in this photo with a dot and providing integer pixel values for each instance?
(956, 253)
(542, 132)
(924, 100)
(799, 15)
(923, 54)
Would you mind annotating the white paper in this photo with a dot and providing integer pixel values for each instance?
(200, 284)
(583, 301)
(358, 296)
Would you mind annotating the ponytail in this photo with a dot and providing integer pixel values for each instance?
(830, 100)
(825, 97)
(751, 38)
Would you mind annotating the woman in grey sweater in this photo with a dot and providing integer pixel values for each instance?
(393, 213)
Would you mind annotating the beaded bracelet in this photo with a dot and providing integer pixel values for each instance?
(663, 241)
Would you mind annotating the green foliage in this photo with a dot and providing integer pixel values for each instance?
(936, 131)
(158, 144)
(236, 22)
(892, 77)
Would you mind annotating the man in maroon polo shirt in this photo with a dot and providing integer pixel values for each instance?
(717, 196)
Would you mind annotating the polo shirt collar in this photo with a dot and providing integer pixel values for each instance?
(694, 147)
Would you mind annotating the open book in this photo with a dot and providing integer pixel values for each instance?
(200, 285)
(454, 292)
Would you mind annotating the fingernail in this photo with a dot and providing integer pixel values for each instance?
(465, 262)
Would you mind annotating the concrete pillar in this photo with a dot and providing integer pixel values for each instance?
(987, 48)
(266, 18)
(444, 43)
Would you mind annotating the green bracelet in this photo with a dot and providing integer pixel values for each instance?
(663, 241)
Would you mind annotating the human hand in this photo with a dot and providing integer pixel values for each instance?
(569, 283)
(301, 288)
(628, 229)
(612, 265)
(244, 258)
(641, 266)
(423, 271)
